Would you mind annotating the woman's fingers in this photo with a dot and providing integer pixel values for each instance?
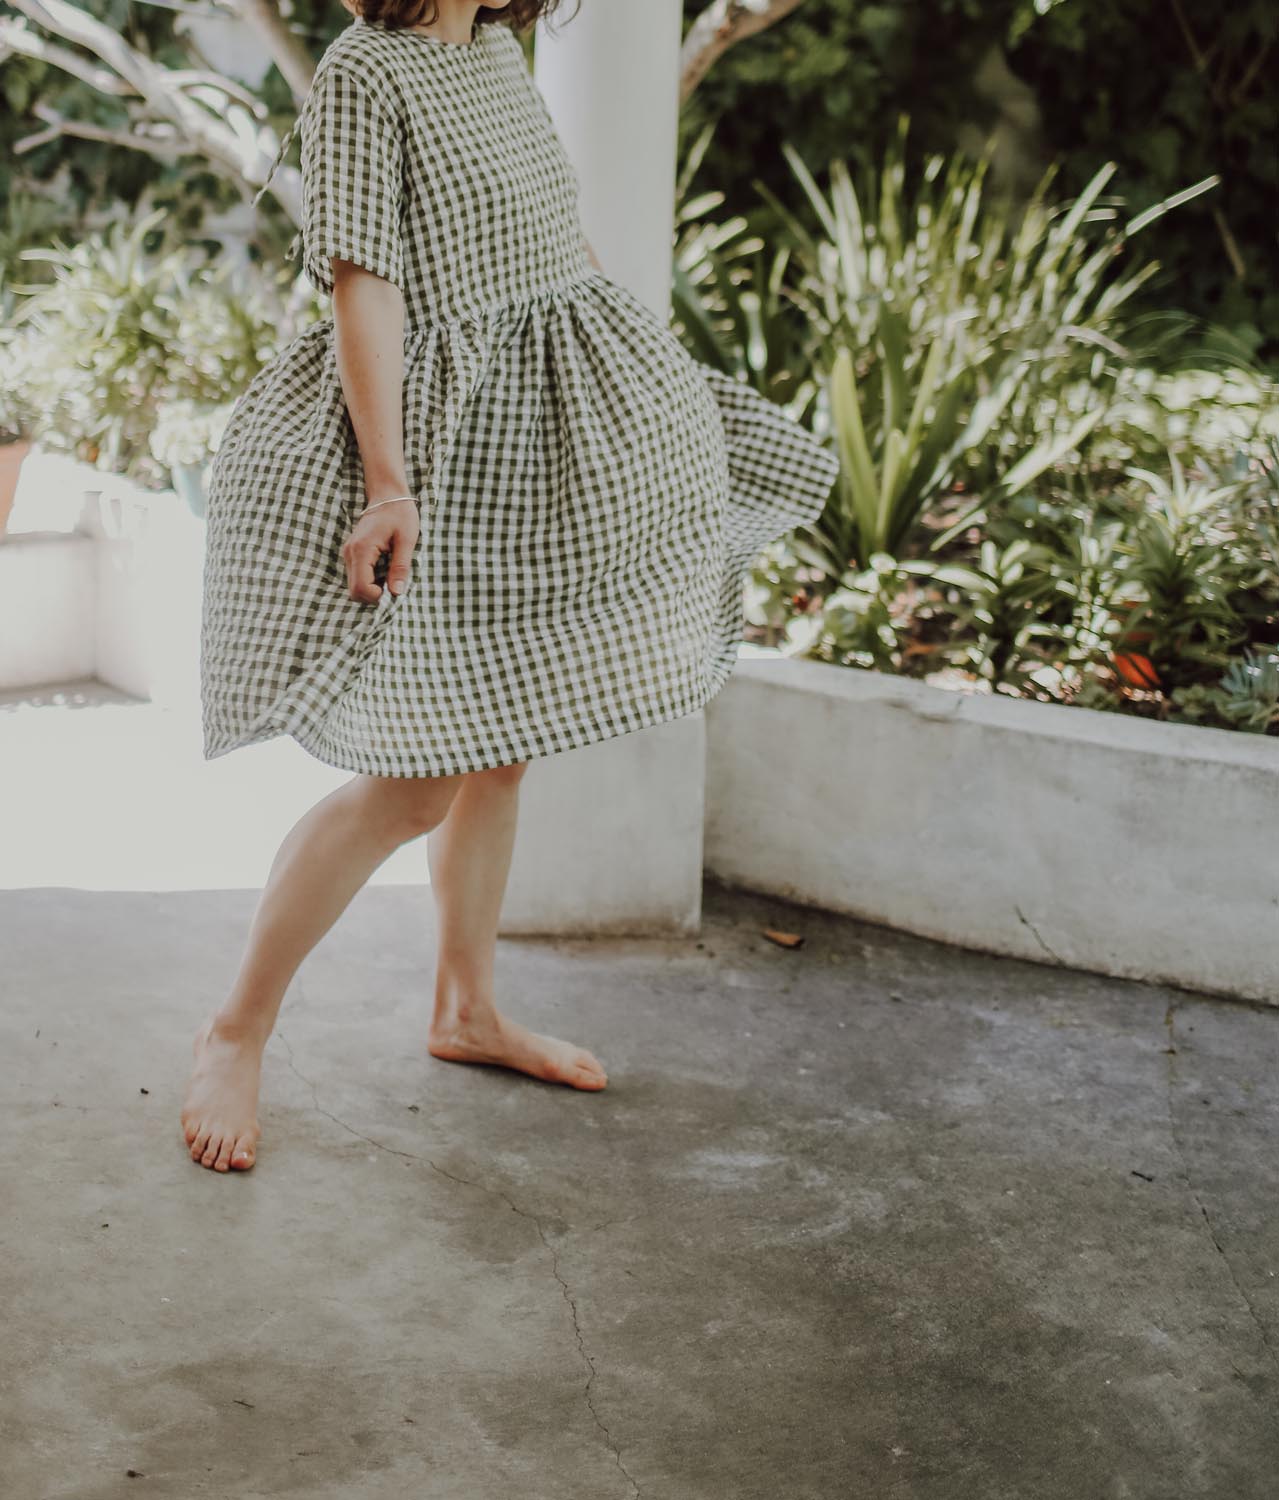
(397, 575)
(360, 556)
(365, 547)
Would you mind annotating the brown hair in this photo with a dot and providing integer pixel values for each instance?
(519, 15)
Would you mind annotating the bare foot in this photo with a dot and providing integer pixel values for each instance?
(220, 1112)
(495, 1039)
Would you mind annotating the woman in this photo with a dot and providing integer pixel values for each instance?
(490, 510)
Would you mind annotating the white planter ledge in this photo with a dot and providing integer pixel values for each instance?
(99, 578)
(1064, 835)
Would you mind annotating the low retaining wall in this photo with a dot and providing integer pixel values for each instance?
(610, 838)
(110, 590)
(48, 584)
(1142, 850)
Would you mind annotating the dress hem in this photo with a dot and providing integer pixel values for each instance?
(599, 733)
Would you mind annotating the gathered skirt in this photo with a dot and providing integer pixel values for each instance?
(593, 497)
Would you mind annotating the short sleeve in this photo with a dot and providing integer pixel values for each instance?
(352, 181)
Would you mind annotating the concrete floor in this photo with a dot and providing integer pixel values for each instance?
(864, 1218)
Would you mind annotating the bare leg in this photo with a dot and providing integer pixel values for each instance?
(470, 858)
(324, 860)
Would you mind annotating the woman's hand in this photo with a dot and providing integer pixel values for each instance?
(390, 529)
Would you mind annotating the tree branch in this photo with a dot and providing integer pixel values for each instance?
(287, 51)
(59, 125)
(194, 78)
(17, 36)
(720, 26)
(228, 132)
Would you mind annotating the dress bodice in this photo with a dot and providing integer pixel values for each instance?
(437, 165)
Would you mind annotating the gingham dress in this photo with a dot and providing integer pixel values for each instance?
(592, 495)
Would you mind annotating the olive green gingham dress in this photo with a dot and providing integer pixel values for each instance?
(592, 495)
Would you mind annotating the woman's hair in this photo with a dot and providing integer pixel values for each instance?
(394, 14)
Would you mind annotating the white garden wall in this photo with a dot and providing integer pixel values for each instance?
(48, 593)
(1069, 836)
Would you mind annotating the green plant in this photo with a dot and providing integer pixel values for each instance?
(1000, 604)
(729, 297)
(187, 434)
(27, 221)
(1246, 697)
(951, 326)
(1182, 575)
(18, 414)
(924, 416)
(1222, 415)
(1251, 691)
(124, 332)
(861, 623)
(1051, 81)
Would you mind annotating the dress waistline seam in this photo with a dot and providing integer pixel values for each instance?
(485, 311)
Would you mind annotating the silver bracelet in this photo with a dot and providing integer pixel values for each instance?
(394, 500)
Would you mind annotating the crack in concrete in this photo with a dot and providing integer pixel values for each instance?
(609, 1223)
(589, 1362)
(1171, 1051)
(515, 1209)
(1038, 936)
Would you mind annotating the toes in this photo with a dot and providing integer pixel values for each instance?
(588, 1071)
(189, 1131)
(210, 1147)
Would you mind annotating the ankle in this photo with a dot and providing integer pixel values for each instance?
(471, 1010)
(239, 1029)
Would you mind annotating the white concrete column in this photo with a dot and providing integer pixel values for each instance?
(610, 836)
(610, 76)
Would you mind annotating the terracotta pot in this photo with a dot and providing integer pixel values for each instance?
(11, 456)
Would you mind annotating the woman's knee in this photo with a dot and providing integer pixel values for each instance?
(409, 806)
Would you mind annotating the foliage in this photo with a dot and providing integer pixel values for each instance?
(81, 184)
(729, 297)
(121, 332)
(952, 326)
(1090, 81)
(187, 433)
(1080, 82)
(1175, 102)
(1042, 492)
(1247, 696)
(1157, 597)
(1182, 576)
(1221, 415)
(18, 416)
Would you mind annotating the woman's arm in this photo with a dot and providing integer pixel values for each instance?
(591, 254)
(368, 320)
